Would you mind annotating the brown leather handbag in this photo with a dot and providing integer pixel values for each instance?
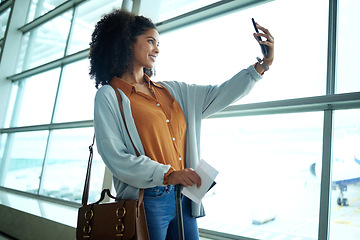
(122, 219)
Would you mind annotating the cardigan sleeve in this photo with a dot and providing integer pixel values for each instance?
(113, 145)
(209, 99)
(216, 98)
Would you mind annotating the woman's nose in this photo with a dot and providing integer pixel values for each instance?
(157, 49)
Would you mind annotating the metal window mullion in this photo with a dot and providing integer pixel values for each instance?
(60, 81)
(326, 172)
(332, 47)
(49, 139)
(44, 165)
(325, 188)
(65, 125)
(71, 30)
(209, 11)
(308, 104)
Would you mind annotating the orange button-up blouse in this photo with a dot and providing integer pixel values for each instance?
(160, 122)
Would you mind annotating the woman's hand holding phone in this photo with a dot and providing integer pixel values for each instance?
(267, 46)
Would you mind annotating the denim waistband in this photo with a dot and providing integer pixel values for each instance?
(167, 188)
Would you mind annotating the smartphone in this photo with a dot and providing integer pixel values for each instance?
(263, 47)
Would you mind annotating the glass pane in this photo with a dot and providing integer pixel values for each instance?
(27, 151)
(4, 16)
(3, 138)
(87, 15)
(11, 105)
(36, 97)
(45, 43)
(345, 198)
(66, 166)
(173, 8)
(348, 53)
(266, 178)
(40, 7)
(20, 66)
(213, 51)
(76, 96)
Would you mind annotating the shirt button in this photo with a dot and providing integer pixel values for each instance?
(167, 120)
(180, 158)
(173, 139)
(158, 104)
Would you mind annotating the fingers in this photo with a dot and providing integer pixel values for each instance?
(192, 178)
(266, 31)
(268, 37)
(186, 177)
(269, 42)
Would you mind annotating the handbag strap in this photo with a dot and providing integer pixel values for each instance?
(85, 195)
(119, 98)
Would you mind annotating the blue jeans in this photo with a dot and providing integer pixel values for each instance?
(160, 209)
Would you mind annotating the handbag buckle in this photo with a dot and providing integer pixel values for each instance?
(123, 212)
(89, 215)
(120, 229)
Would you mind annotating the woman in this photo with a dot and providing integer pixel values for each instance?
(163, 119)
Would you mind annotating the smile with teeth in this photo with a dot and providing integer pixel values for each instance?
(152, 57)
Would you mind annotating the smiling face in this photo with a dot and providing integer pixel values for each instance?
(146, 49)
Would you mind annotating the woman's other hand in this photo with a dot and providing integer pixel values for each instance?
(186, 177)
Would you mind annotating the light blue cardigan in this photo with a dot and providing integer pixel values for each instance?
(197, 102)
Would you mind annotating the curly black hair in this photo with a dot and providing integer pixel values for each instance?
(111, 45)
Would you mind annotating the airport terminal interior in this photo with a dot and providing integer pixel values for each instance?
(287, 154)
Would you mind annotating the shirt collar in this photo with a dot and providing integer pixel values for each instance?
(127, 88)
(151, 83)
(121, 84)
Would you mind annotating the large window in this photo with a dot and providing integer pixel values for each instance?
(269, 185)
(264, 175)
(280, 150)
(213, 51)
(44, 145)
